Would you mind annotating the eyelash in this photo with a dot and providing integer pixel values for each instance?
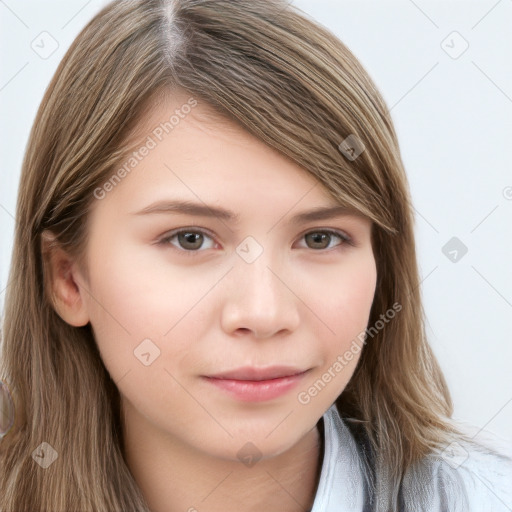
(345, 239)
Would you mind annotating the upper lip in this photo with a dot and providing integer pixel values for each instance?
(253, 373)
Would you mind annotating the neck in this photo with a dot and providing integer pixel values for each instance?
(174, 476)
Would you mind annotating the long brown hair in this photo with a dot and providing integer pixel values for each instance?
(292, 84)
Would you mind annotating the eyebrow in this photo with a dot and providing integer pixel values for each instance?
(204, 210)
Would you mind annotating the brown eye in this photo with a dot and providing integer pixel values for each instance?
(188, 240)
(324, 239)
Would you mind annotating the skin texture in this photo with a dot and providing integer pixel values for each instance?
(299, 303)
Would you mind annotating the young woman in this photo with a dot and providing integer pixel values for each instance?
(214, 299)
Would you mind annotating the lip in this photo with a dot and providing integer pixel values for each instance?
(251, 384)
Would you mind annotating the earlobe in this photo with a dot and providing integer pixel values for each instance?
(63, 280)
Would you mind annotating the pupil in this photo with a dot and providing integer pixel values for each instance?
(195, 239)
(319, 238)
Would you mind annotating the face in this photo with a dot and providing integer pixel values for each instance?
(220, 304)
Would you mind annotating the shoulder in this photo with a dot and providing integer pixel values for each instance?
(465, 476)
(487, 477)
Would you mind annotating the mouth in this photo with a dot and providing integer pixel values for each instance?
(252, 384)
(257, 374)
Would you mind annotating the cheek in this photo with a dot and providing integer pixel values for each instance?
(131, 302)
(345, 306)
(342, 299)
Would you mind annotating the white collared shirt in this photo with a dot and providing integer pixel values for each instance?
(473, 480)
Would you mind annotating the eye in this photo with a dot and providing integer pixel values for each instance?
(193, 240)
(326, 239)
(189, 240)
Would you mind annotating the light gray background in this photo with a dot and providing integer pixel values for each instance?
(453, 115)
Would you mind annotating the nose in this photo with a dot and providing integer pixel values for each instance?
(260, 301)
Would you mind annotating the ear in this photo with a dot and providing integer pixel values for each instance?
(64, 282)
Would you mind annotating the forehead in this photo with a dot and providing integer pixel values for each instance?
(187, 159)
(181, 141)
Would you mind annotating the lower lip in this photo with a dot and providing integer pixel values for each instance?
(257, 390)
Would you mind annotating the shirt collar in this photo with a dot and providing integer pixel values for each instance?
(342, 483)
